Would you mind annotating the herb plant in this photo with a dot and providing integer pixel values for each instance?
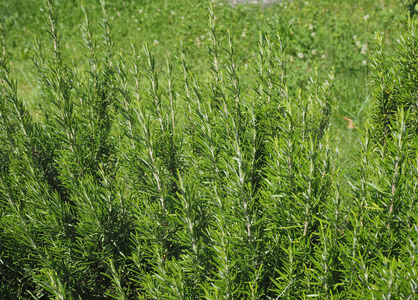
(141, 179)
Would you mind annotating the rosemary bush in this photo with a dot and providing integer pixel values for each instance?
(142, 180)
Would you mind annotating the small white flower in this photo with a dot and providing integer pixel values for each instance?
(202, 37)
(364, 48)
(172, 13)
(138, 29)
(313, 34)
(358, 43)
(314, 52)
(156, 42)
(310, 26)
(140, 11)
(246, 66)
(366, 17)
(136, 20)
(364, 62)
(323, 56)
(291, 58)
(300, 55)
(243, 34)
(354, 37)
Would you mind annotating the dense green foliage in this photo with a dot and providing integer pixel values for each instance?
(144, 180)
(324, 34)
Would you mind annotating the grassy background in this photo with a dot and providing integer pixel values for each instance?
(322, 34)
